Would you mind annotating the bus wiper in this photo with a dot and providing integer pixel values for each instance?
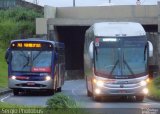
(129, 68)
(114, 67)
(27, 63)
(27, 59)
(23, 54)
(37, 55)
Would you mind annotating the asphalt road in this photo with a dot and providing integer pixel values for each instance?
(76, 90)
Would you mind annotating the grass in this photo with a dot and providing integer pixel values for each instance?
(7, 105)
(3, 69)
(62, 104)
(154, 88)
(60, 100)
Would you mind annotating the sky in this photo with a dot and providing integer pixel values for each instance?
(66, 3)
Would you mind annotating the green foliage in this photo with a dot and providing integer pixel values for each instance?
(3, 70)
(154, 88)
(16, 23)
(19, 14)
(61, 101)
(62, 104)
(157, 81)
(8, 31)
(8, 105)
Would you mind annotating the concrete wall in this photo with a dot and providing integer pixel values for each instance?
(41, 23)
(158, 38)
(49, 12)
(41, 26)
(97, 12)
(81, 16)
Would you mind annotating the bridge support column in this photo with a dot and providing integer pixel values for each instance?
(52, 33)
(158, 37)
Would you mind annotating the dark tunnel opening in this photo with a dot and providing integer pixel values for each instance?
(73, 38)
(151, 28)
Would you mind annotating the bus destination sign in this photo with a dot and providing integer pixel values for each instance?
(26, 45)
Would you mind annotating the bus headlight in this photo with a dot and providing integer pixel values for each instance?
(148, 80)
(97, 91)
(145, 91)
(48, 78)
(13, 77)
(143, 83)
(99, 83)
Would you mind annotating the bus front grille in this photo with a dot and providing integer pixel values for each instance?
(30, 85)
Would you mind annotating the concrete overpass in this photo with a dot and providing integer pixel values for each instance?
(68, 24)
(80, 16)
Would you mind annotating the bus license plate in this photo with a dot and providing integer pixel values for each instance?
(123, 91)
(30, 83)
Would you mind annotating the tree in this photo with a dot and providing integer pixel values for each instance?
(17, 23)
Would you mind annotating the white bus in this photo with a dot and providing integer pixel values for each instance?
(116, 60)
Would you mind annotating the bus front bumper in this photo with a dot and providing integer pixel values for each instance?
(103, 91)
(18, 84)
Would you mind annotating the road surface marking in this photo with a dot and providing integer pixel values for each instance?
(2, 99)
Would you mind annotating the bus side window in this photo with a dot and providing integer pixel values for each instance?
(56, 56)
(60, 56)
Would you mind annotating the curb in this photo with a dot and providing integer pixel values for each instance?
(153, 98)
(5, 91)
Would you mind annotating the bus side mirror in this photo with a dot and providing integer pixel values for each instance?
(150, 46)
(91, 50)
(8, 56)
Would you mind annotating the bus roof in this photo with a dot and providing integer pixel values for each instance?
(113, 29)
(56, 44)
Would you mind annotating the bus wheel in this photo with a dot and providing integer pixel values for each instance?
(59, 89)
(15, 91)
(139, 98)
(89, 94)
(51, 91)
(96, 98)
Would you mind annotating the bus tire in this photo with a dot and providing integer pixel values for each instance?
(15, 92)
(96, 98)
(89, 94)
(51, 91)
(59, 89)
(139, 98)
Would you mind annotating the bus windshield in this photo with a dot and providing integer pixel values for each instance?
(123, 58)
(31, 61)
